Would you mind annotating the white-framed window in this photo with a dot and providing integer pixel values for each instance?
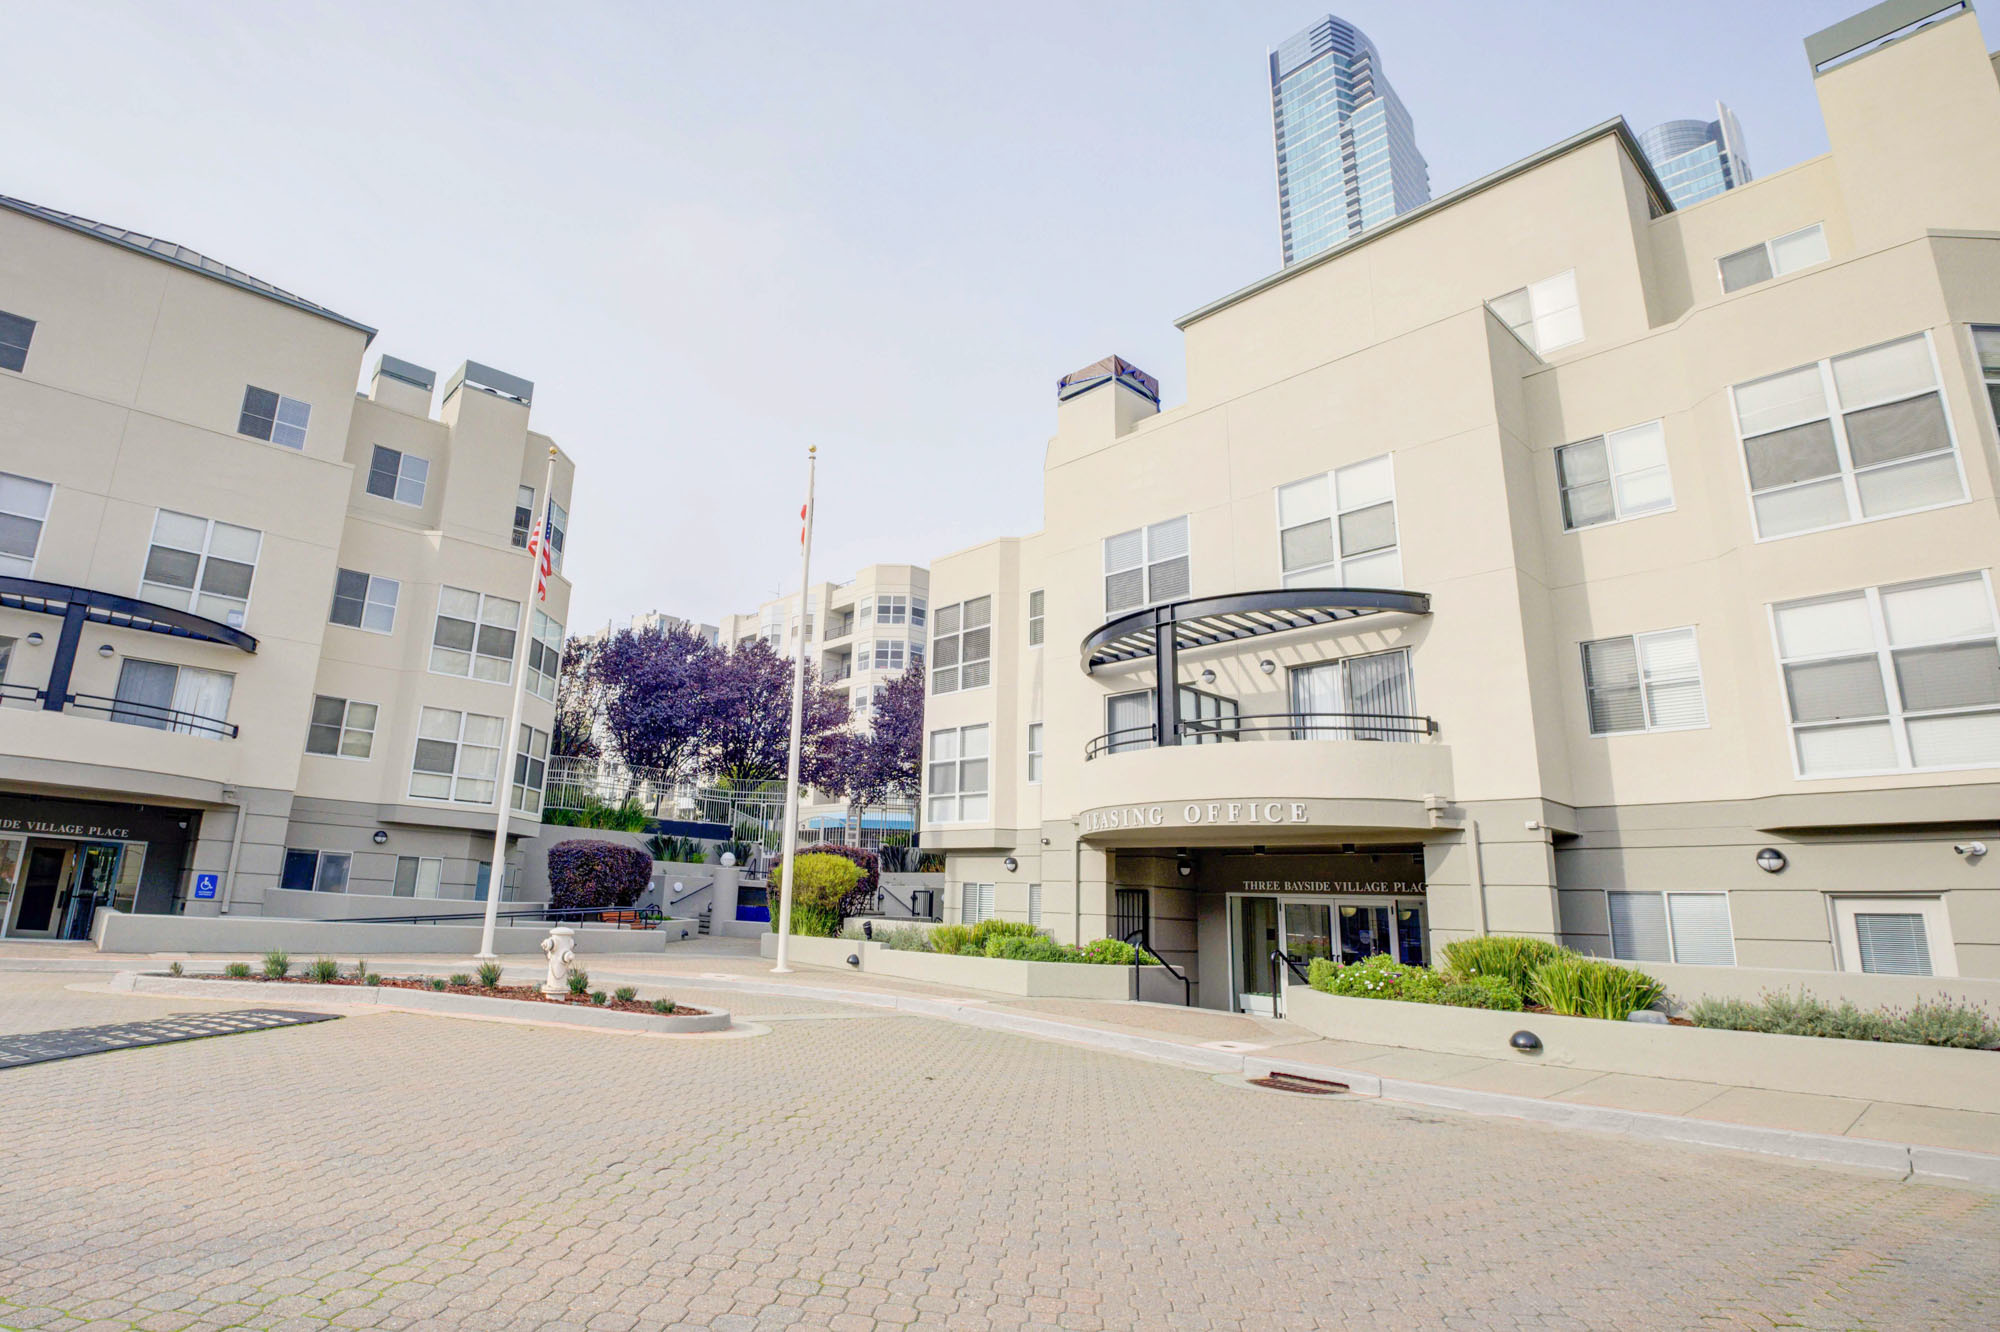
(272, 416)
(16, 332)
(1618, 475)
(316, 871)
(975, 903)
(1986, 343)
(1894, 936)
(1338, 529)
(957, 774)
(1861, 436)
(201, 565)
(1644, 682)
(545, 644)
(342, 727)
(1546, 314)
(1146, 566)
(1037, 601)
(962, 646)
(916, 612)
(395, 475)
(531, 766)
(1034, 751)
(889, 654)
(458, 756)
(524, 515)
(1692, 929)
(1773, 258)
(1034, 904)
(558, 520)
(419, 876)
(1892, 678)
(164, 697)
(474, 635)
(24, 512)
(364, 601)
(1367, 697)
(892, 609)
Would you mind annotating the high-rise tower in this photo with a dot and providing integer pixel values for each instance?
(1698, 159)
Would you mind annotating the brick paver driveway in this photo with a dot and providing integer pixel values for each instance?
(854, 1170)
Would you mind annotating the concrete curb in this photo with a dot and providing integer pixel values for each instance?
(421, 1001)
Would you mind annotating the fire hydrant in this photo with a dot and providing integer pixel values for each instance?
(560, 947)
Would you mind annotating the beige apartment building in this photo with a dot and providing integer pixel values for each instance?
(1547, 560)
(257, 632)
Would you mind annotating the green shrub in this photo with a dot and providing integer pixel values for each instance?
(599, 997)
(1029, 948)
(1320, 972)
(175, 969)
(1511, 957)
(823, 880)
(1946, 1021)
(237, 971)
(361, 970)
(277, 964)
(1379, 977)
(1494, 992)
(437, 982)
(323, 970)
(489, 975)
(1941, 1021)
(988, 930)
(1114, 953)
(952, 939)
(579, 981)
(461, 978)
(906, 939)
(372, 978)
(625, 994)
(663, 1006)
(1590, 987)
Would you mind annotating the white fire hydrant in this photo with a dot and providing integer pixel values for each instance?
(560, 947)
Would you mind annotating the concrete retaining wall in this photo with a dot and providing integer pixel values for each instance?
(1034, 980)
(116, 932)
(1908, 1074)
(1687, 984)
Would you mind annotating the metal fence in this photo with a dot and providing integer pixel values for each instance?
(576, 783)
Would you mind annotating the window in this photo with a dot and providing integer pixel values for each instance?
(166, 697)
(1358, 698)
(398, 476)
(1034, 751)
(1546, 314)
(1896, 936)
(15, 335)
(1146, 566)
(1689, 928)
(419, 876)
(266, 415)
(545, 642)
(958, 774)
(892, 610)
(558, 520)
(364, 601)
(24, 511)
(1358, 503)
(1644, 682)
(962, 646)
(531, 765)
(916, 611)
(316, 871)
(458, 756)
(1884, 447)
(975, 902)
(1036, 602)
(341, 727)
(1131, 914)
(1128, 722)
(1773, 258)
(888, 655)
(1618, 475)
(1892, 678)
(524, 515)
(1034, 904)
(203, 566)
(474, 635)
(1987, 342)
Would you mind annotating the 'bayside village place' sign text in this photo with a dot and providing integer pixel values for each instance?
(1213, 812)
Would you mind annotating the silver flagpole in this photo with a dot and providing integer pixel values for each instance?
(496, 878)
(791, 843)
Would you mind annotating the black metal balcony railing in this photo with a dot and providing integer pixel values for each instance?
(1271, 726)
(1129, 737)
(126, 710)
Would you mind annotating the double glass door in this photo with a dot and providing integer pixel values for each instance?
(1271, 935)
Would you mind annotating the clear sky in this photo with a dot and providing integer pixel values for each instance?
(714, 233)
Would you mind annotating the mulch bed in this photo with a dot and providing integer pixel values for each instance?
(530, 994)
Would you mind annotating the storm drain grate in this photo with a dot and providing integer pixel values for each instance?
(1292, 1082)
(40, 1047)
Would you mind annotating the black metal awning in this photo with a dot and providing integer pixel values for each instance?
(27, 594)
(1205, 621)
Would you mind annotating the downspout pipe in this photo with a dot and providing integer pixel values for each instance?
(234, 797)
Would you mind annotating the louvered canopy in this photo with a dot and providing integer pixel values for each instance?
(96, 607)
(1205, 621)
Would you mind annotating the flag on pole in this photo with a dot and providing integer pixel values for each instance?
(802, 523)
(538, 552)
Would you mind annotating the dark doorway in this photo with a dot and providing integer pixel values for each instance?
(38, 889)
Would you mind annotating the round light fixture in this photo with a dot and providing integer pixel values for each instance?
(1208, 675)
(1010, 864)
(728, 859)
(1267, 666)
(853, 959)
(1526, 1042)
(1771, 860)
(381, 836)
(34, 638)
(106, 650)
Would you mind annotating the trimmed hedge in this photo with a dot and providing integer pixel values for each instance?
(586, 874)
(867, 862)
(824, 881)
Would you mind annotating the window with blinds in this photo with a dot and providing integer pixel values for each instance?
(1644, 682)
(1334, 700)
(957, 774)
(1338, 529)
(1692, 929)
(1616, 476)
(1893, 678)
(975, 903)
(1034, 904)
(1773, 258)
(1546, 314)
(1901, 936)
(961, 654)
(1036, 601)
(1146, 566)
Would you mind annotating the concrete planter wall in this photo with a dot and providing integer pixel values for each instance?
(1913, 1074)
(1687, 984)
(116, 932)
(1033, 980)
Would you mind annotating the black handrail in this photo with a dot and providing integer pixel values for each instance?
(1317, 725)
(23, 693)
(1127, 737)
(558, 914)
(145, 714)
(1142, 947)
(1291, 964)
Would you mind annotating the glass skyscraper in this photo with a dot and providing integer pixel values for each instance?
(1697, 159)
(1347, 151)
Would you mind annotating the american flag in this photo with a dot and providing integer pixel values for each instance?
(538, 551)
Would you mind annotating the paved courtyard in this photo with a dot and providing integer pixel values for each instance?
(853, 1169)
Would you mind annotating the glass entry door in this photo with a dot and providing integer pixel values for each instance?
(1254, 939)
(1364, 931)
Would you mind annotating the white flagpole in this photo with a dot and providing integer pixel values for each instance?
(791, 842)
(496, 878)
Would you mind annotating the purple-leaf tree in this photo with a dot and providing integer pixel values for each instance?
(577, 701)
(654, 688)
(750, 719)
(885, 763)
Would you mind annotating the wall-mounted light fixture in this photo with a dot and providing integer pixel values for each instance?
(1010, 864)
(1267, 666)
(1771, 860)
(34, 638)
(1208, 675)
(1185, 864)
(381, 836)
(106, 650)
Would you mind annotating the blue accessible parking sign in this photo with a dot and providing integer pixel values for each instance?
(205, 884)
